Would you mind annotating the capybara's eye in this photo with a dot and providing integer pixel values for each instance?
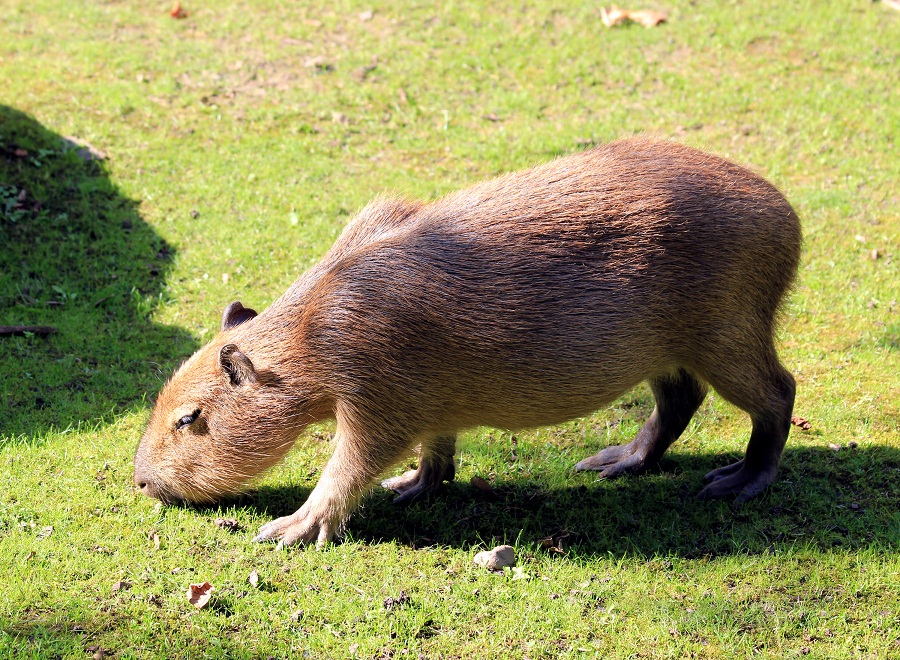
(187, 420)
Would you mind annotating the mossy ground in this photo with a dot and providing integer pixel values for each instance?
(239, 141)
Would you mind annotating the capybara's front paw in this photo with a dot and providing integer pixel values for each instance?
(302, 526)
(615, 461)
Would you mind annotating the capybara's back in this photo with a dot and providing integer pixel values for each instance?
(528, 300)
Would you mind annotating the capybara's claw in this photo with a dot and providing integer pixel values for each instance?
(722, 472)
(740, 481)
(411, 486)
(614, 461)
(297, 528)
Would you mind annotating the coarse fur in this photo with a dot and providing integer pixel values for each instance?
(527, 300)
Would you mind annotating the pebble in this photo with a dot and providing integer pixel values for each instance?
(496, 559)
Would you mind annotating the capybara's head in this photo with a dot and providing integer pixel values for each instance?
(219, 422)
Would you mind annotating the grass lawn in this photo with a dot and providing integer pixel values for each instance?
(230, 148)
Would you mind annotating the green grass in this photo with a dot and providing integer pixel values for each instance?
(240, 140)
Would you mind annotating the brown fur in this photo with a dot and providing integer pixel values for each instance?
(523, 301)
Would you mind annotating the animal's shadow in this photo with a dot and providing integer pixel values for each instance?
(823, 498)
(76, 256)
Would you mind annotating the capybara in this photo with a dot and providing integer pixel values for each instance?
(526, 300)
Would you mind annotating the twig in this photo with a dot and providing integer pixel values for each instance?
(22, 330)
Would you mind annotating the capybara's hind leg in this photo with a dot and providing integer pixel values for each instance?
(770, 411)
(678, 395)
(435, 467)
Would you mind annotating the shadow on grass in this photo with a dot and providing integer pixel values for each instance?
(823, 499)
(76, 255)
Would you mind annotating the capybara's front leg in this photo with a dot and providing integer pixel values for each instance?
(435, 467)
(357, 460)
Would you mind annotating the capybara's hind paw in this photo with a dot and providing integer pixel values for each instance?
(413, 485)
(737, 479)
(614, 461)
(300, 527)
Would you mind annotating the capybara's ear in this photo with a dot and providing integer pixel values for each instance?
(237, 365)
(235, 314)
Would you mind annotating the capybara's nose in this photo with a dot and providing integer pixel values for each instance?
(147, 488)
(143, 482)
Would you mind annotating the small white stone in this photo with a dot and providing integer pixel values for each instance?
(496, 559)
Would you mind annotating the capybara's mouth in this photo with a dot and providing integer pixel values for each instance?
(159, 492)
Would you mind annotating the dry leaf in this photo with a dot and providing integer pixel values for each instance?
(802, 422)
(85, 150)
(178, 11)
(121, 585)
(554, 542)
(318, 63)
(45, 532)
(390, 602)
(199, 594)
(253, 578)
(648, 17)
(617, 16)
(230, 524)
(154, 538)
(21, 153)
(366, 15)
(482, 484)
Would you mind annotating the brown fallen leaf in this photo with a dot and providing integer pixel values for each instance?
(85, 150)
(154, 538)
(318, 63)
(121, 585)
(229, 524)
(199, 594)
(616, 16)
(648, 17)
(802, 422)
(554, 542)
(363, 73)
(482, 484)
(390, 602)
(21, 153)
(178, 11)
